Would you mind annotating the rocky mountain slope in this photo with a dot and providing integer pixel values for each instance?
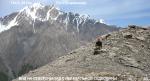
(37, 35)
(124, 55)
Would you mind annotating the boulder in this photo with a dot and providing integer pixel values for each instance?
(127, 35)
(140, 38)
(132, 26)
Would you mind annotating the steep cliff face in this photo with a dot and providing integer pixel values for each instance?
(125, 55)
(37, 35)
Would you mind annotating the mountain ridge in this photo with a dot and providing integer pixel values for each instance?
(125, 55)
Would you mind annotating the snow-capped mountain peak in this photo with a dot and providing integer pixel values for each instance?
(34, 12)
(31, 11)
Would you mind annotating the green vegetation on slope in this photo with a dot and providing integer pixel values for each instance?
(25, 69)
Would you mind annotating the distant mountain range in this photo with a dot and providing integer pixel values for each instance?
(37, 35)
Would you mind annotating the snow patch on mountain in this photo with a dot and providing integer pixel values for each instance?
(11, 24)
(66, 21)
(2, 27)
(78, 22)
(48, 13)
(84, 17)
(81, 20)
(102, 21)
(31, 11)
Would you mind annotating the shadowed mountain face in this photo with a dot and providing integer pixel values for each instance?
(37, 35)
(124, 55)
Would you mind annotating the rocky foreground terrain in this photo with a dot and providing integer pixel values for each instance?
(125, 55)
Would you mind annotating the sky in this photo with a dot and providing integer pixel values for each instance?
(113, 12)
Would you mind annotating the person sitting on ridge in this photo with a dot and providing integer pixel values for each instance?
(98, 45)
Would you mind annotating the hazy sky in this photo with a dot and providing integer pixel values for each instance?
(116, 12)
